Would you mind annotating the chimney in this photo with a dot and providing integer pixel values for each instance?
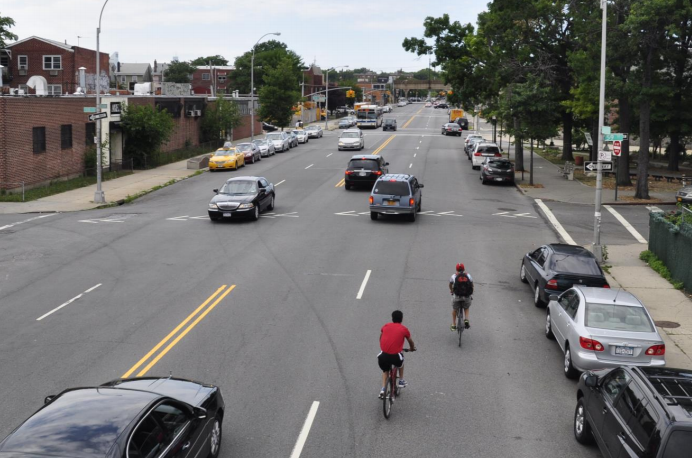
(155, 66)
(118, 66)
(82, 78)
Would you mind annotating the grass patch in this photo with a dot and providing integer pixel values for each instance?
(57, 187)
(606, 268)
(656, 264)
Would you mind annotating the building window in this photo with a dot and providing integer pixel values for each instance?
(66, 136)
(52, 62)
(5, 60)
(123, 79)
(206, 77)
(39, 134)
(23, 62)
(222, 78)
(134, 78)
(54, 89)
(90, 129)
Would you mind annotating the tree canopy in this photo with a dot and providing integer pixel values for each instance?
(268, 55)
(220, 118)
(146, 129)
(279, 93)
(5, 24)
(210, 60)
(179, 72)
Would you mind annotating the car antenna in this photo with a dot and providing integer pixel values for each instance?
(616, 295)
(170, 375)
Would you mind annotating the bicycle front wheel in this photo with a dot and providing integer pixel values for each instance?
(387, 400)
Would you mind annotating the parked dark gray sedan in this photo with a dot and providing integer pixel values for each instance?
(242, 197)
(497, 169)
(451, 128)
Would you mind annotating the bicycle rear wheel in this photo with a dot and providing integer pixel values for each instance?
(387, 400)
(460, 327)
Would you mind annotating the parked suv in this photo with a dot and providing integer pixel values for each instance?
(483, 150)
(396, 195)
(364, 170)
(636, 412)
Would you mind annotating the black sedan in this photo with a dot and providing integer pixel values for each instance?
(497, 169)
(242, 197)
(554, 268)
(137, 418)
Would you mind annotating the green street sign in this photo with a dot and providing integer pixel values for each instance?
(605, 129)
(613, 137)
(89, 109)
(104, 105)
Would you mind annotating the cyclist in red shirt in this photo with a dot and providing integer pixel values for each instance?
(392, 338)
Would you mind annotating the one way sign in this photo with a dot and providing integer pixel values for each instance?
(593, 166)
(95, 116)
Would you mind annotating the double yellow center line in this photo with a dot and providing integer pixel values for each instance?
(377, 151)
(410, 120)
(217, 297)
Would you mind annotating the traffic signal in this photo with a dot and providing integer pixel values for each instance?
(350, 94)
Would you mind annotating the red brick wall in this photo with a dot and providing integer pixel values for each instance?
(71, 61)
(200, 86)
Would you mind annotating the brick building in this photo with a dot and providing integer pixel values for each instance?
(313, 80)
(57, 62)
(212, 80)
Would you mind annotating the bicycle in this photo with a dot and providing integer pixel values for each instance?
(391, 389)
(460, 324)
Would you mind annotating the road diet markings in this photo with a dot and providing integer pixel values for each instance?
(68, 302)
(309, 166)
(362, 286)
(276, 215)
(555, 223)
(626, 223)
(425, 213)
(329, 154)
(26, 221)
(185, 218)
(282, 181)
(303, 436)
(514, 215)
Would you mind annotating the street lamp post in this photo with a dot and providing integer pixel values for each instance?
(326, 98)
(597, 248)
(99, 195)
(252, 85)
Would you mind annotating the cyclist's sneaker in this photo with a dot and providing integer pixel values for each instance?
(382, 393)
(452, 328)
(466, 324)
(402, 383)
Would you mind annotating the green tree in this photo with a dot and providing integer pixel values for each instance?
(279, 93)
(216, 60)
(179, 72)
(220, 118)
(5, 34)
(423, 74)
(268, 55)
(145, 129)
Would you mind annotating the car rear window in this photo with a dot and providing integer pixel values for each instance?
(395, 188)
(368, 164)
(616, 317)
(350, 135)
(574, 264)
(502, 165)
(488, 149)
(678, 444)
(273, 136)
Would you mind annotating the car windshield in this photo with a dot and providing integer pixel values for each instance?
(243, 147)
(311, 128)
(344, 121)
(616, 317)
(224, 152)
(239, 187)
(349, 135)
(368, 164)
(395, 188)
(502, 165)
(389, 121)
(575, 264)
(273, 136)
(298, 132)
(488, 149)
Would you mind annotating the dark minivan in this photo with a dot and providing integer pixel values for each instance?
(554, 268)
(389, 124)
(636, 412)
(364, 170)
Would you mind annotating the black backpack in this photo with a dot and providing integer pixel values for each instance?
(463, 286)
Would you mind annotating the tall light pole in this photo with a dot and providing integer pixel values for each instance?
(326, 97)
(597, 248)
(99, 195)
(252, 85)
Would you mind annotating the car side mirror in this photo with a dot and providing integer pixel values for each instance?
(386, 163)
(200, 413)
(262, 191)
(48, 399)
(591, 381)
(554, 297)
(421, 185)
(216, 191)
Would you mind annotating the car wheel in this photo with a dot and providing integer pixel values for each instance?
(537, 301)
(215, 438)
(347, 186)
(412, 216)
(522, 273)
(483, 181)
(339, 149)
(214, 218)
(271, 203)
(582, 429)
(570, 371)
(548, 327)
(373, 216)
(255, 213)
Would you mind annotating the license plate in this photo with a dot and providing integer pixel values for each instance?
(624, 351)
(227, 215)
(391, 202)
(487, 155)
(499, 179)
(362, 174)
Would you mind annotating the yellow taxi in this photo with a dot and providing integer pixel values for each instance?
(226, 158)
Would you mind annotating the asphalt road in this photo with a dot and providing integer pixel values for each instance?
(281, 326)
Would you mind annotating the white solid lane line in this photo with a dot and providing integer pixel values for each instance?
(303, 436)
(277, 184)
(362, 286)
(309, 166)
(626, 223)
(329, 154)
(68, 302)
(26, 221)
(556, 224)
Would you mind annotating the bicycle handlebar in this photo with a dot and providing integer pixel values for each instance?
(408, 349)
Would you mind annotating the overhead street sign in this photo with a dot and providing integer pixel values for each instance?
(592, 166)
(318, 98)
(604, 155)
(612, 137)
(95, 116)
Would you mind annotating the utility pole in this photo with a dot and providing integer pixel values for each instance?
(597, 248)
(99, 195)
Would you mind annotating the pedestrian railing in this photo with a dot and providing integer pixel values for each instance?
(686, 217)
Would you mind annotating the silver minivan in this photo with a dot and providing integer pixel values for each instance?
(351, 139)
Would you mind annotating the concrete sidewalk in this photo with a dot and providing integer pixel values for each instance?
(117, 189)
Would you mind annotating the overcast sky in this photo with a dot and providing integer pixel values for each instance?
(358, 33)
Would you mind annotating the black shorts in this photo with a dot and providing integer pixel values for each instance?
(386, 361)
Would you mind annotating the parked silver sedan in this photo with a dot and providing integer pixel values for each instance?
(599, 328)
(266, 147)
(302, 135)
(314, 131)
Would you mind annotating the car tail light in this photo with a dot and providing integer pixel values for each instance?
(606, 286)
(411, 202)
(348, 172)
(656, 350)
(552, 284)
(371, 200)
(498, 155)
(476, 154)
(591, 344)
(377, 172)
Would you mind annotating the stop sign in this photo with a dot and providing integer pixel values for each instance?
(617, 147)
